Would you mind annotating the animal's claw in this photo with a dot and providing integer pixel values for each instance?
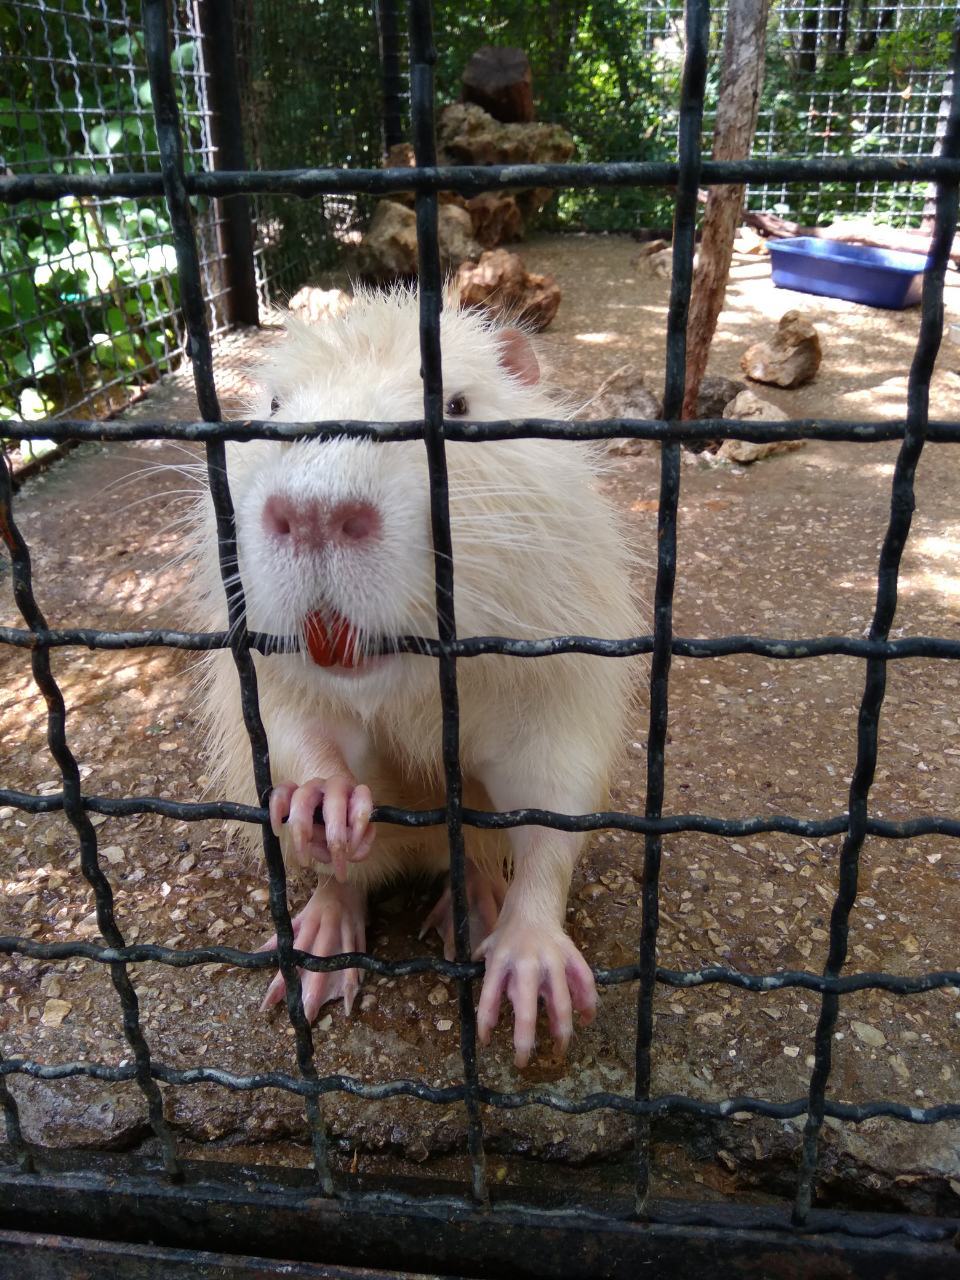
(333, 922)
(526, 961)
(345, 834)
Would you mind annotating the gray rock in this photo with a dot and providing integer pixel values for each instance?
(715, 393)
(624, 395)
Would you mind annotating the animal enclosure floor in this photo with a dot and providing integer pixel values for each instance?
(786, 548)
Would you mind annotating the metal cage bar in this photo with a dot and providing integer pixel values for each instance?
(76, 812)
(876, 651)
(902, 502)
(422, 58)
(697, 18)
(472, 179)
(156, 23)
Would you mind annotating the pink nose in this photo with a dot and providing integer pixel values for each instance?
(311, 526)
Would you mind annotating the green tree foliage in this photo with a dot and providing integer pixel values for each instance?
(88, 290)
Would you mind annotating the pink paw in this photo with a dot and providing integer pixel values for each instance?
(346, 834)
(332, 922)
(525, 961)
(485, 895)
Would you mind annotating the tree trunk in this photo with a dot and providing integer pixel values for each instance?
(736, 123)
(930, 204)
(809, 37)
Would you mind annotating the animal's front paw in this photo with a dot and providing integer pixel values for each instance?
(332, 922)
(485, 894)
(345, 835)
(526, 960)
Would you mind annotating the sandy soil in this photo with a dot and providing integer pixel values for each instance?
(786, 548)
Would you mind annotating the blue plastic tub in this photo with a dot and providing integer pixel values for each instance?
(877, 277)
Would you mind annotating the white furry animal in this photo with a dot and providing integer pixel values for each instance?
(335, 549)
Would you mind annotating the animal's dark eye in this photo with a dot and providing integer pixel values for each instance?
(274, 405)
(457, 407)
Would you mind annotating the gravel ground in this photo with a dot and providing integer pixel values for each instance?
(786, 548)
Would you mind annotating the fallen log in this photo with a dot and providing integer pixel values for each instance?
(849, 232)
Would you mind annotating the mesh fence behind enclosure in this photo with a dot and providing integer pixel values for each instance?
(842, 77)
(851, 77)
(310, 88)
(89, 298)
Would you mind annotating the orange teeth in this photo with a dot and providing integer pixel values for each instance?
(332, 641)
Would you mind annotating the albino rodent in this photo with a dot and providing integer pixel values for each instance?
(335, 548)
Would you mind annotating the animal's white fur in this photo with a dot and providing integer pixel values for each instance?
(537, 552)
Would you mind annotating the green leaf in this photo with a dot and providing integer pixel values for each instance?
(184, 56)
(104, 137)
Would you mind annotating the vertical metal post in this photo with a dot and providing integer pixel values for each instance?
(697, 26)
(234, 226)
(391, 75)
(156, 25)
(422, 60)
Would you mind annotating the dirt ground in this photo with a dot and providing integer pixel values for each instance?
(785, 548)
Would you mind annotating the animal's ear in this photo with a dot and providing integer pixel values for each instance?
(518, 357)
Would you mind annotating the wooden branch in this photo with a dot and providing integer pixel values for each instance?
(740, 83)
(848, 232)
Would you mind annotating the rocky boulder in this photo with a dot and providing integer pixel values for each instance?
(389, 248)
(624, 394)
(496, 218)
(400, 156)
(790, 359)
(466, 134)
(495, 215)
(715, 393)
(500, 283)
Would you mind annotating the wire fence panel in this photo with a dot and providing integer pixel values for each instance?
(854, 79)
(311, 93)
(841, 80)
(146, 1067)
(89, 296)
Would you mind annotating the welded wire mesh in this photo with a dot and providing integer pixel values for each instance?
(877, 649)
(310, 79)
(842, 78)
(89, 298)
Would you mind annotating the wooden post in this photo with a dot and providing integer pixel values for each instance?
(929, 206)
(391, 75)
(235, 229)
(739, 101)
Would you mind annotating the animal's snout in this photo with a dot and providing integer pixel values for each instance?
(312, 526)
